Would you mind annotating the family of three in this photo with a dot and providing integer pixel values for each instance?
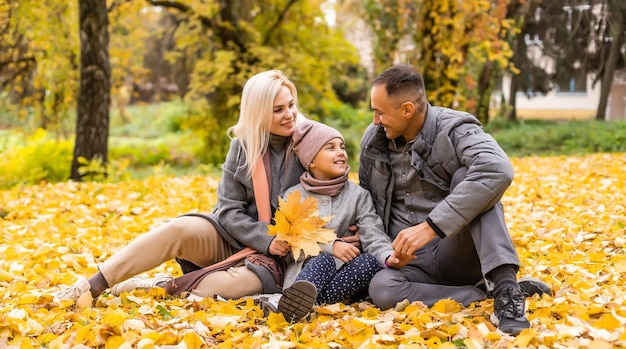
(425, 222)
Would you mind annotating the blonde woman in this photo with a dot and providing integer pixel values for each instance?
(267, 120)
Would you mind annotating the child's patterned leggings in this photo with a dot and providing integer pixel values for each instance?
(333, 285)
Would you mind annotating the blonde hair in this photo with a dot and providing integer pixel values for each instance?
(256, 111)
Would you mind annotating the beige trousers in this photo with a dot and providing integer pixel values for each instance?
(190, 238)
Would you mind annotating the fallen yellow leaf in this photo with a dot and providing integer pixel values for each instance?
(298, 222)
(566, 216)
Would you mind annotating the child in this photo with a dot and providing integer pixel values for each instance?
(340, 272)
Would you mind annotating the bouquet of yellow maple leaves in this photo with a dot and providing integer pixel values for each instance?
(298, 222)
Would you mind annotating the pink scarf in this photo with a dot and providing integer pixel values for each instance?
(330, 187)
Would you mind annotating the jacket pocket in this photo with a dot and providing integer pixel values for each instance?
(434, 186)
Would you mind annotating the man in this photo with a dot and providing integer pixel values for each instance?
(436, 180)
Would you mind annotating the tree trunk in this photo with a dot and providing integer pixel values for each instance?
(616, 21)
(512, 116)
(94, 97)
(484, 93)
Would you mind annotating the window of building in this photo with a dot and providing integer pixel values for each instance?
(575, 83)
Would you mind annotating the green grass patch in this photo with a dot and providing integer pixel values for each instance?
(149, 120)
(151, 140)
(539, 137)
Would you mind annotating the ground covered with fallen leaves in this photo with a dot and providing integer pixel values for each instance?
(566, 215)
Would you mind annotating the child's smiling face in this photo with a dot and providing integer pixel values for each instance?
(331, 160)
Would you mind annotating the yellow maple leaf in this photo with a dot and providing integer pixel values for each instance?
(607, 322)
(446, 306)
(114, 342)
(524, 338)
(276, 321)
(298, 222)
(567, 224)
(192, 340)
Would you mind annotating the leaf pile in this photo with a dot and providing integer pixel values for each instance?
(566, 216)
(298, 222)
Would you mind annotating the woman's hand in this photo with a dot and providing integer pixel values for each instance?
(345, 251)
(279, 248)
(354, 238)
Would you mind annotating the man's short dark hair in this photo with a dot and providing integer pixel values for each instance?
(403, 81)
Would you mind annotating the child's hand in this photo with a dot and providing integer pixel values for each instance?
(399, 260)
(353, 239)
(345, 251)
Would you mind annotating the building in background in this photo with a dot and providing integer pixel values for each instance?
(578, 102)
(570, 55)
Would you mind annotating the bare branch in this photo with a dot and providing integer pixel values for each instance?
(171, 4)
(116, 4)
(225, 33)
(19, 60)
(16, 73)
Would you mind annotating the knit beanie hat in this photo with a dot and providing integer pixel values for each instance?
(309, 138)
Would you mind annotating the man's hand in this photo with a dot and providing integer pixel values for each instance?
(412, 238)
(345, 251)
(279, 247)
(353, 239)
(398, 260)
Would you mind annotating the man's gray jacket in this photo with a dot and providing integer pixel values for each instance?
(448, 141)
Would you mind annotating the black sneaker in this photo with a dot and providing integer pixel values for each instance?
(528, 285)
(531, 286)
(297, 300)
(508, 312)
(485, 286)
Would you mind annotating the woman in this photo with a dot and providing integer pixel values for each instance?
(267, 120)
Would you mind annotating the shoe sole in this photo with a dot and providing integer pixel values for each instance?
(133, 283)
(297, 301)
(124, 286)
(512, 331)
(532, 286)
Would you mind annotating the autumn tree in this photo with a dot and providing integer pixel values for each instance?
(228, 41)
(612, 42)
(208, 48)
(142, 43)
(42, 80)
(92, 120)
(527, 74)
(129, 30)
(43, 64)
(458, 46)
(16, 63)
(590, 42)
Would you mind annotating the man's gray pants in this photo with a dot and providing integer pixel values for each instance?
(450, 267)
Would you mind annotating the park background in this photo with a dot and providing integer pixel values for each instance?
(141, 132)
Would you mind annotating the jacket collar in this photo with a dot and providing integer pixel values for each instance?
(422, 146)
(425, 138)
(377, 146)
